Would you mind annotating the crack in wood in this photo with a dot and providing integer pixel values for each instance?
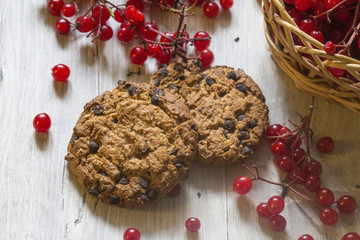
(79, 218)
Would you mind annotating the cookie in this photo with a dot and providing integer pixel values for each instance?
(227, 106)
(132, 145)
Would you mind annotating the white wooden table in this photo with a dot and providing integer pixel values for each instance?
(40, 199)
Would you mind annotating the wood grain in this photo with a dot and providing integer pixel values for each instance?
(41, 199)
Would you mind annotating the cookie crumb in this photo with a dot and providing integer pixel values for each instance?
(236, 39)
(199, 195)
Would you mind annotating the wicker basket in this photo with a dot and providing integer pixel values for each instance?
(310, 75)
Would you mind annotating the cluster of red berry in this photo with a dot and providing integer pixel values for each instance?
(335, 23)
(211, 9)
(132, 23)
(303, 170)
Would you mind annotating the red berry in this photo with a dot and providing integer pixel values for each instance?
(296, 15)
(138, 55)
(329, 48)
(166, 2)
(325, 145)
(133, 15)
(165, 57)
(54, 7)
(329, 4)
(306, 237)
(147, 33)
(276, 205)
(317, 35)
(182, 36)
(298, 155)
(328, 216)
(199, 2)
(62, 26)
(307, 25)
(273, 131)
(68, 10)
(263, 210)
(42, 122)
(139, 4)
(61, 72)
(125, 34)
(300, 174)
(242, 185)
(279, 148)
(336, 72)
(192, 224)
(289, 1)
(100, 11)
(132, 234)
(119, 16)
(351, 236)
(154, 50)
(277, 223)
(346, 204)
(284, 163)
(314, 167)
(325, 196)
(106, 33)
(211, 9)
(359, 43)
(342, 14)
(201, 45)
(176, 191)
(302, 5)
(206, 58)
(166, 40)
(226, 4)
(85, 24)
(312, 183)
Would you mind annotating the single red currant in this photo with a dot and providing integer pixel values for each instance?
(85, 24)
(277, 223)
(61, 72)
(169, 36)
(317, 35)
(125, 34)
(299, 174)
(351, 236)
(147, 33)
(154, 50)
(342, 14)
(100, 11)
(62, 26)
(307, 25)
(206, 58)
(192, 224)
(298, 155)
(328, 216)
(284, 163)
(279, 148)
(139, 4)
(133, 15)
(329, 4)
(138, 55)
(346, 204)
(165, 57)
(201, 44)
(276, 205)
(54, 7)
(302, 5)
(263, 210)
(68, 10)
(226, 4)
(336, 72)
(325, 145)
(312, 183)
(242, 185)
(119, 16)
(211, 9)
(325, 196)
(306, 237)
(132, 234)
(273, 131)
(42, 122)
(176, 191)
(314, 167)
(329, 48)
(106, 33)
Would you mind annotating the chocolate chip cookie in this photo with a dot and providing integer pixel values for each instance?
(132, 145)
(227, 106)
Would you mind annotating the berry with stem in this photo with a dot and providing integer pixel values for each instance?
(62, 26)
(226, 4)
(263, 210)
(54, 7)
(85, 23)
(206, 58)
(346, 204)
(328, 216)
(138, 55)
(154, 50)
(325, 196)
(276, 205)
(105, 33)
(201, 44)
(100, 11)
(277, 223)
(42, 122)
(147, 33)
(279, 148)
(242, 185)
(125, 34)
(312, 183)
(138, 4)
(329, 48)
(284, 163)
(351, 236)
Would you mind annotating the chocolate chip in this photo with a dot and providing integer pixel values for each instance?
(146, 149)
(241, 117)
(253, 123)
(152, 194)
(244, 135)
(157, 82)
(210, 81)
(203, 76)
(73, 139)
(232, 75)
(179, 165)
(241, 87)
(174, 152)
(194, 127)
(103, 173)
(113, 199)
(229, 126)
(181, 77)
(158, 92)
(93, 147)
(132, 90)
(144, 183)
(162, 66)
(124, 181)
(144, 198)
(98, 110)
(221, 94)
(180, 68)
(246, 150)
(116, 120)
(155, 100)
(172, 86)
(164, 72)
(94, 191)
